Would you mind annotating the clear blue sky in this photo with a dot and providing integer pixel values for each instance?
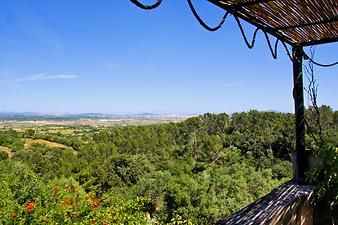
(72, 56)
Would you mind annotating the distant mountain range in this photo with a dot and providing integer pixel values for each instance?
(32, 116)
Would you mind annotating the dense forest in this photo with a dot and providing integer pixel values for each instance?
(192, 172)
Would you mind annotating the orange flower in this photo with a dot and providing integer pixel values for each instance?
(14, 215)
(90, 197)
(30, 207)
(56, 189)
(96, 204)
(66, 202)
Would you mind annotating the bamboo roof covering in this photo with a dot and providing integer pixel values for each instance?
(297, 22)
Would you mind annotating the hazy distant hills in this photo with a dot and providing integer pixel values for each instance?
(31, 116)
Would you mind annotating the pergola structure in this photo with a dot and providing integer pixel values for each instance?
(298, 23)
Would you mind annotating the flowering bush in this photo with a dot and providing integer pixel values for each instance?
(61, 201)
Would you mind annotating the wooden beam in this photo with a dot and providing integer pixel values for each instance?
(298, 95)
(321, 41)
(308, 24)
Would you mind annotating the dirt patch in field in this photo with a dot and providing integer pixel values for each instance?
(49, 144)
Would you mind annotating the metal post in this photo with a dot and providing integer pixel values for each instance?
(300, 160)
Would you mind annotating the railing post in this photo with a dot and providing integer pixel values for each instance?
(300, 160)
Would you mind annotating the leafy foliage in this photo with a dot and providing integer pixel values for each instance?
(193, 172)
(326, 173)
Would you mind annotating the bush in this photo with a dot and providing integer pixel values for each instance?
(3, 155)
(326, 173)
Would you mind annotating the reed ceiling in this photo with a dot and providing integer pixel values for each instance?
(297, 22)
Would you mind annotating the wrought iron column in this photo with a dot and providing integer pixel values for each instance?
(300, 160)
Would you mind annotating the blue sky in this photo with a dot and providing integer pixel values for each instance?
(72, 56)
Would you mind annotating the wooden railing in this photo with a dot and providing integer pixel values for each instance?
(288, 204)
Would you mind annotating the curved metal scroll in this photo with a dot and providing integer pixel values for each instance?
(306, 57)
(192, 8)
(250, 45)
(147, 7)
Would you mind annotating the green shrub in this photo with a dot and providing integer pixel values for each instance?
(3, 155)
(326, 173)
